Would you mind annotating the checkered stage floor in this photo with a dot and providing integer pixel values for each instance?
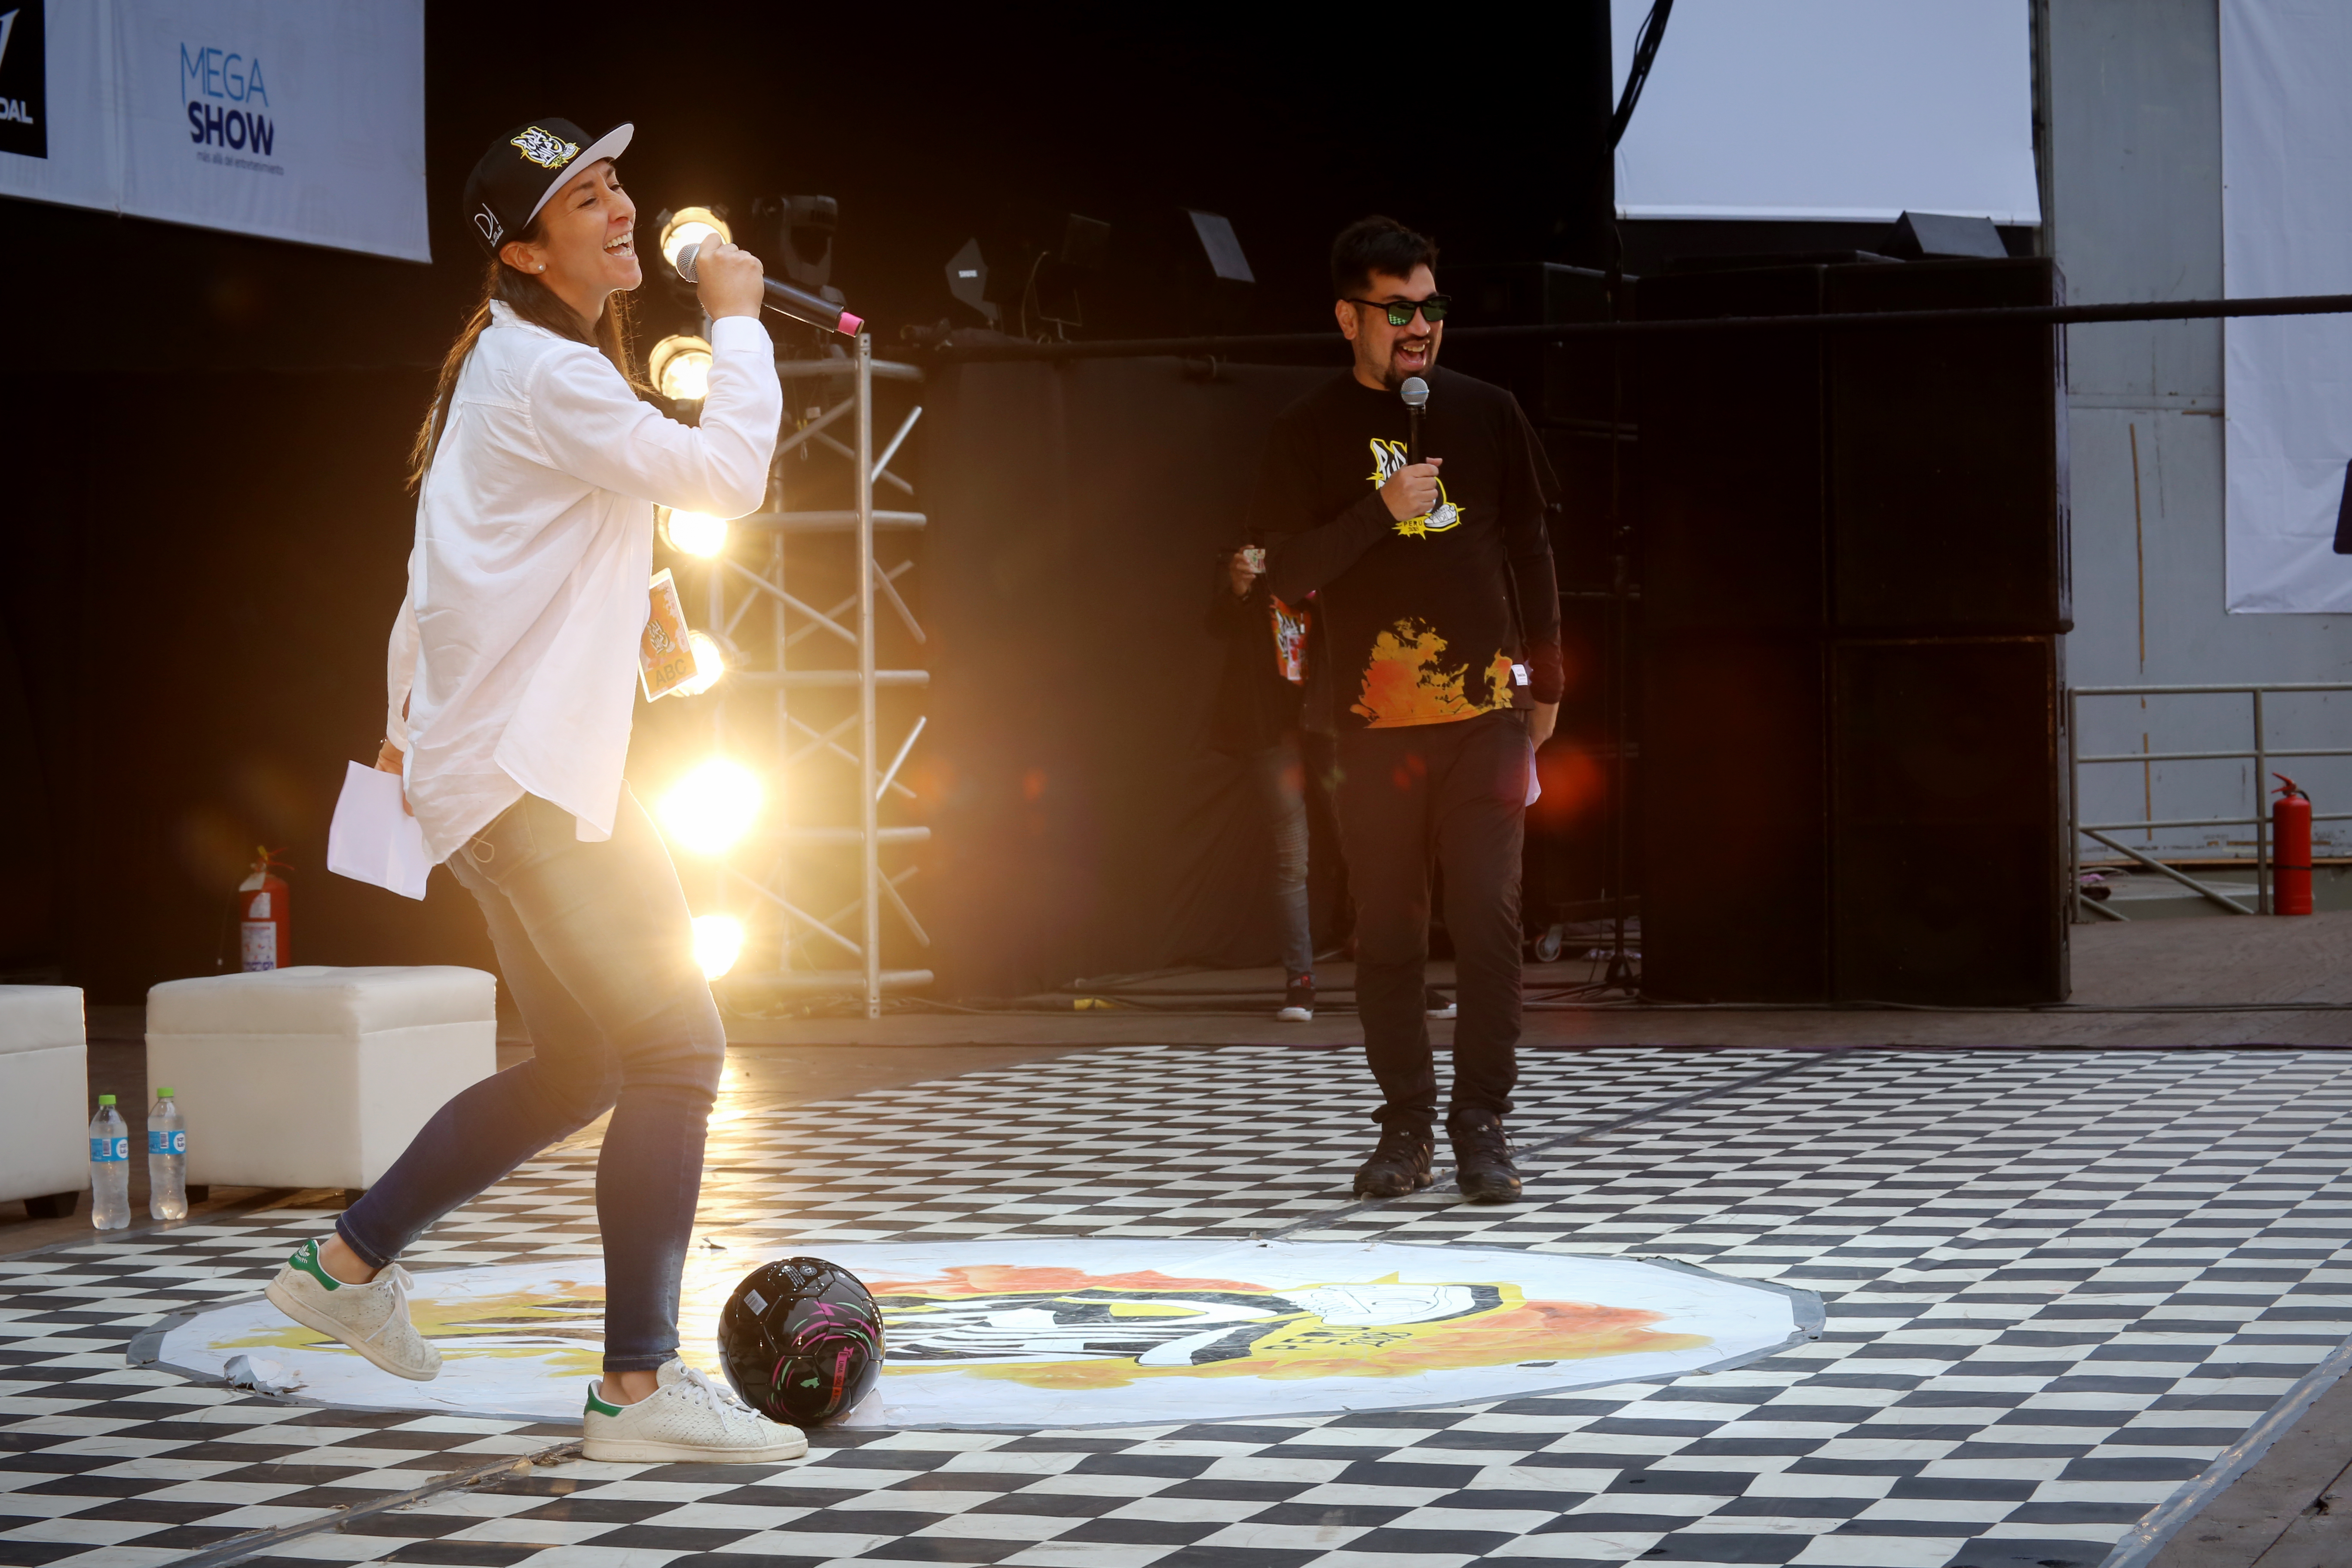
(2059, 1285)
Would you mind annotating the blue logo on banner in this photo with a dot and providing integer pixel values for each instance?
(167, 1142)
(24, 81)
(225, 95)
(107, 1151)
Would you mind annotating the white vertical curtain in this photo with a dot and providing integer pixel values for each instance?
(2286, 228)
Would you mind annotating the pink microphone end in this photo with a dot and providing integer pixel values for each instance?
(850, 324)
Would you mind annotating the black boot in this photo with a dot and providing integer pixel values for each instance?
(1400, 1163)
(1482, 1157)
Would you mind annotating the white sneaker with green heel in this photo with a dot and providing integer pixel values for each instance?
(372, 1319)
(687, 1420)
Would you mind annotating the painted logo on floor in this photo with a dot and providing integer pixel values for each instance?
(1061, 1328)
(1086, 1332)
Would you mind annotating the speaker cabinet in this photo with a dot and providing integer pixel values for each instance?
(1947, 456)
(1947, 835)
(1735, 819)
(1854, 577)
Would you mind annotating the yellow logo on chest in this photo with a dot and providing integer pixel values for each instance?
(1388, 461)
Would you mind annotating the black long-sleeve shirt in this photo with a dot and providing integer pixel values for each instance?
(1419, 617)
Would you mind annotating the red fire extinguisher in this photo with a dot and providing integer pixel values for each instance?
(2290, 850)
(265, 921)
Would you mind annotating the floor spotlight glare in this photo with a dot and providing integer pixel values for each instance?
(709, 664)
(692, 532)
(717, 943)
(711, 807)
(679, 368)
(688, 226)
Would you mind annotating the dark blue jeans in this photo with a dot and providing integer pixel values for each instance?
(1280, 775)
(597, 948)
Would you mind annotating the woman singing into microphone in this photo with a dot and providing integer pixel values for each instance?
(514, 666)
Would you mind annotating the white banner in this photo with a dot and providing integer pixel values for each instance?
(263, 117)
(1831, 110)
(59, 134)
(2286, 228)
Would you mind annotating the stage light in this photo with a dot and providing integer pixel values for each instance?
(800, 230)
(709, 664)
(718, 943)
(679, 368)
(688, 226)
(967, 281)
(691, 532)
(711, 807)
(1051, 298)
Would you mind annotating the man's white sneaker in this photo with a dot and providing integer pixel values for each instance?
(687, 1420)
(372, 1318)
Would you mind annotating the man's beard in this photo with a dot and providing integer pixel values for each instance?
(1393, 378)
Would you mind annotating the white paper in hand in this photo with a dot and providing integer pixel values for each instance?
(373, 839)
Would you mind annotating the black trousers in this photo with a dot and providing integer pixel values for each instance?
(1456, 792)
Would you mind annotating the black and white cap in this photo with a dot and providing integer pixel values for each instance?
(526, 166)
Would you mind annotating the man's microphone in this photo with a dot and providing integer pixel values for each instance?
(787, 301)
(1415, 393)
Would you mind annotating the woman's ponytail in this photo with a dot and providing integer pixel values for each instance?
(535, 302)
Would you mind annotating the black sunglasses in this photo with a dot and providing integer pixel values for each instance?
(1433, 310)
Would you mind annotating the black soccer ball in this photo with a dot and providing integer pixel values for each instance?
(801, 1340)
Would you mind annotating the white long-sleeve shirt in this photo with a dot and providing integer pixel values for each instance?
(514, 662)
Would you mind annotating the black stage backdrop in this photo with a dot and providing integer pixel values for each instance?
(198, 613)
(1081, 826)
(200, 451)
(197, 660)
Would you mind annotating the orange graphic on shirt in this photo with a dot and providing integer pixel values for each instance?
(1408, 680)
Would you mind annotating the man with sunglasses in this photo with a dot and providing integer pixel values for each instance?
(1441, 629)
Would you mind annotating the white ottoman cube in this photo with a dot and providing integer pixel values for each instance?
(312, 1076)
(45, 1104)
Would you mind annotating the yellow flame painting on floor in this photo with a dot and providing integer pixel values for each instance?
(1052, 1331)
(1061, 1328)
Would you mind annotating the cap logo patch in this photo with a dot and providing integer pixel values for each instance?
(546, 149)
(487, 221)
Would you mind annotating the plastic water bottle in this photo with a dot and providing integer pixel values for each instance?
(167, 1159)
(109, 1167)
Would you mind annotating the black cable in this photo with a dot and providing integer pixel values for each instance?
(1236, 347)
(2044, 1009)
(1616, 696)
(1645, 50)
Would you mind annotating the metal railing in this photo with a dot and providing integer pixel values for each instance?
(2262, 752)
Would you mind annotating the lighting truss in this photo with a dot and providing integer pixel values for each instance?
(807, 701)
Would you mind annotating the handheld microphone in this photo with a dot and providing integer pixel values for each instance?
(1415, 393)
(787, 301)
